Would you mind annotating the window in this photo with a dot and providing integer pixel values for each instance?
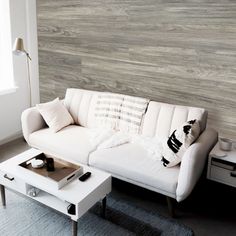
(6, 63)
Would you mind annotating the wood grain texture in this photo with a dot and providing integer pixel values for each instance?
(174, 51)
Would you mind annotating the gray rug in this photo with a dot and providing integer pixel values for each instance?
(122, 218)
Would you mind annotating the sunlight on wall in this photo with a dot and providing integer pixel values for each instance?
(6, 63)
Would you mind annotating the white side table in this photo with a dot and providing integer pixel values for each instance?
(222, 169)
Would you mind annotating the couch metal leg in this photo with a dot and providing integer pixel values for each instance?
(170, 203)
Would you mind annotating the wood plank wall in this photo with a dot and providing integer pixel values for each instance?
(174, 51)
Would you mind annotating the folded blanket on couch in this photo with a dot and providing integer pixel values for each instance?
(120, 112)
(106, 138)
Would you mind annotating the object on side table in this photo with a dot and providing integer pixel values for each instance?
(219, 153)
(225, 144)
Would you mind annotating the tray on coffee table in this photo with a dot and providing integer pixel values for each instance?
(63, 173)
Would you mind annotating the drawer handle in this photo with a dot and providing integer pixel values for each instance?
(5, 176)
(233, 174)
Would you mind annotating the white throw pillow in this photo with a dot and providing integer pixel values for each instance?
(176, 145)
(55, 114)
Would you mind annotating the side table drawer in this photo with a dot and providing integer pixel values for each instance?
(12, 182)
(222, 175)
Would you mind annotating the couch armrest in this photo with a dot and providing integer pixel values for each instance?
(31, 121)
(193, 163)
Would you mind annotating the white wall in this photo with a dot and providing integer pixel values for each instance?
(23, 25)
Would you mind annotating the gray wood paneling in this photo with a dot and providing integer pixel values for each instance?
(174, 51)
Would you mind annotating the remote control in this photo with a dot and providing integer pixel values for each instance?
(85, 176)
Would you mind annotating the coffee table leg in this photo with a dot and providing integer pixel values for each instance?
(74, 228)
(104, 204)
(3, 196)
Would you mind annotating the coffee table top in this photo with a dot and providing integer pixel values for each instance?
(74, 192)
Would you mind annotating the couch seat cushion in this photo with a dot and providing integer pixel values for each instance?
(131, 161)
(72, 142)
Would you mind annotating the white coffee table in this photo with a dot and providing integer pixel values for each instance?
(82, 194)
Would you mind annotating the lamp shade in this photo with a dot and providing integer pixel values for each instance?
(18, 48)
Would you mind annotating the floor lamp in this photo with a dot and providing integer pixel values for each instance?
(18, 49)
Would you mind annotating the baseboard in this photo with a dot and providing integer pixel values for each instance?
(11, 137)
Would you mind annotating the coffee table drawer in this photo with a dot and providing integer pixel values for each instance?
(10, 181)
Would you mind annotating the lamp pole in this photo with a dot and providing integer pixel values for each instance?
(29, 80)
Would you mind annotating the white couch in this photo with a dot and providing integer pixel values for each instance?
(127, 162)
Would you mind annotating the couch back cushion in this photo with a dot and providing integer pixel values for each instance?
(81, 105)
(160, 118)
